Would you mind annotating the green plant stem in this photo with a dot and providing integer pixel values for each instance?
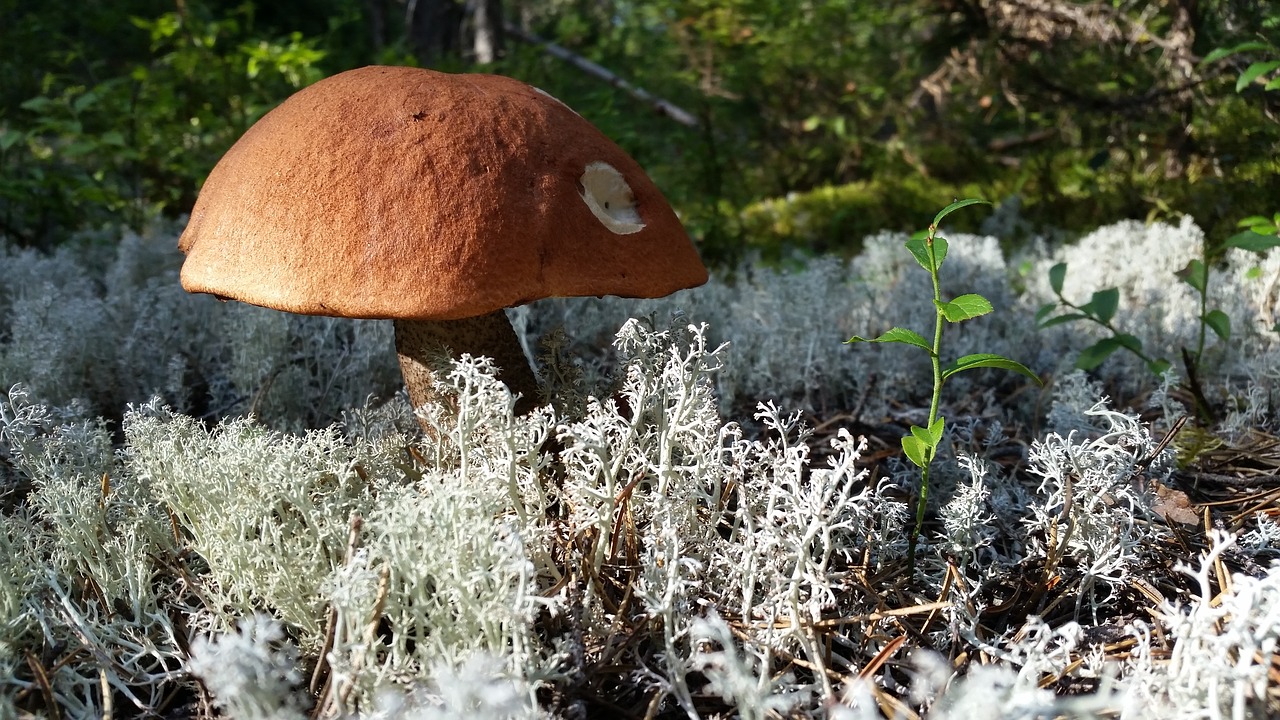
(936, 359)
(1204, 298)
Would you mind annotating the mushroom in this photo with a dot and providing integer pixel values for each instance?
(434, 200)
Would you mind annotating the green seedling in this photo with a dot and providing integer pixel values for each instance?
(921, 444)
(1258, 234)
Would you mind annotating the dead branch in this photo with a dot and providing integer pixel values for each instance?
(662, 106)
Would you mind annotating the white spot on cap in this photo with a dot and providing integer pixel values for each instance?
(607, 193)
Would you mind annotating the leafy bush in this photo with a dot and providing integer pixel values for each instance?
(136, 142)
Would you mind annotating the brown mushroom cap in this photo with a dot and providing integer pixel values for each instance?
(391, 192)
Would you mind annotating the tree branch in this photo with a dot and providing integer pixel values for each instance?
(662, 106)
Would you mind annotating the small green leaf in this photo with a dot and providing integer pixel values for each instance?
(1044, 311)
(1220, 323)
(1093, 356)
(1252, 241)
(84, 101)
(1129, 342)
(919, 247)
(1255, 71)
(1272, 84)
(935, 431)
(940, 246)
(1216, 55)
(9, 138)
(919, 250)
(1061, 319)
(914, 450)
(1194, 275)
(1253, 220)
(897, 335)
(1253, 273)
(39, 103)
(981, 360)
(1103, 304)
(964, 307)
(956, 206)
(1057, 274)
(923, 436)
(1220, 53)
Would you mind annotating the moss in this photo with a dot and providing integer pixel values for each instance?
(835, 218)
(1068, 194)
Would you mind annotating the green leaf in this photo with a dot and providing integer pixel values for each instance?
(1044, 311)
(1103, 304)
(981, 360)
(1255, 71)
(964, 307)
(1093, 356)
(1194, 275)
(1057, 274)
(915, 450)
(1253, 220)
(956, 206)
(897, 335)
(1061, 319)
(923, 436)
(935, 430)
(1158, 367)
(84, 101)
(1129, 342)
(1220, 53)
(1216, 55)
(1272, 84)
(1220, 323)
(37, 104)
(1252, 241)
(9, 138)
(919, 247)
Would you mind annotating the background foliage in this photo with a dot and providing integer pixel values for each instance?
(817, 121)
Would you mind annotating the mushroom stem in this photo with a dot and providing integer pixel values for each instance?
(425, 347)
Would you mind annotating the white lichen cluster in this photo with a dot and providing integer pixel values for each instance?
(672, 529)
(103, 320)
